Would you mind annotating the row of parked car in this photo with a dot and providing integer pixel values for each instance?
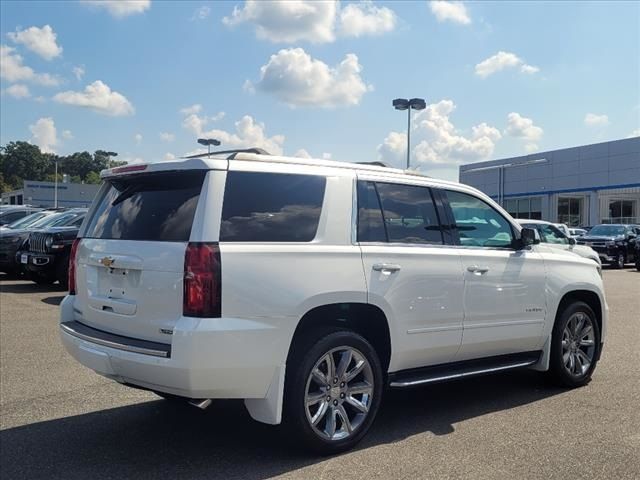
(611, 244)
(37, 245)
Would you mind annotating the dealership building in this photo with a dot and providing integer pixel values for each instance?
(584, 185)
(42, 194)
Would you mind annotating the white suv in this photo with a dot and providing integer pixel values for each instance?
(308, 287)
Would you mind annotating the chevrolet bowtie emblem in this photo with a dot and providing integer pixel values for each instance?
(107, 261)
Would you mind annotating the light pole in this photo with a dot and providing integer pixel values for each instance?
(408, 105)
(55, 185)
(208, 142)
(109, 155)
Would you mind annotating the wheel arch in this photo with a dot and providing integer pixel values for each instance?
(589, 297)
(363, 318)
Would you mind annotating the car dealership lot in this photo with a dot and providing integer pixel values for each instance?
(60, 420)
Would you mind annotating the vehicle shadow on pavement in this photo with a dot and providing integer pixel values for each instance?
(22, 286)
(158, 439)
(53, 300)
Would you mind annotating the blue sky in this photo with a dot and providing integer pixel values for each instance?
(146, 78)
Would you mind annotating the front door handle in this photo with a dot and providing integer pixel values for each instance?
(386, 267)
(476, 270)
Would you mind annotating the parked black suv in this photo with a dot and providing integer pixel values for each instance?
(12, 237)
(614, 243)
(45, 254)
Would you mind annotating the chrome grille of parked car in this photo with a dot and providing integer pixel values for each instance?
(37, 242)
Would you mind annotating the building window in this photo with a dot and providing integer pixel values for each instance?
(621, 211)
(570, 211)
(528, 207)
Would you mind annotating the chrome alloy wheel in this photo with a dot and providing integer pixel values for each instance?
(339, 392)
(578, 344)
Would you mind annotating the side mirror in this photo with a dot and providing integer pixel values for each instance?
(572, 241)
(529, 236)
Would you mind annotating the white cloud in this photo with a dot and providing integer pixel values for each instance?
(288, 21)
(18, 91)
(302, 153)
(523, 128)
(98, 97)
(120, 8)
(455, 12)
(218, 116)
(13, 70)
(167, 137)
(439, 144)
(291, 21)
(296, 79)
(248, 87)
(529, 69)
(364, 18)
(595, 120)
(202, 13)
(249, 133)
(195, 108)
(635, 133)
(78, 72)
(41, 41)
(138, 138)
(169, 156)
(326, 156)
(67, 135)
(44, 134)
(501, 61)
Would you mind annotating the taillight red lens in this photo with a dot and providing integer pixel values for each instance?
(72, 266)
(202, 280)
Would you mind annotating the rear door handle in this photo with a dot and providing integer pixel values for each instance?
(475, 269)
(386, 267)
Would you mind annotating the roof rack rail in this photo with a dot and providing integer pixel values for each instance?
(375, 164)
(233, 153)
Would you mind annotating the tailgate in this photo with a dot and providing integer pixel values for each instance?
(130, 261)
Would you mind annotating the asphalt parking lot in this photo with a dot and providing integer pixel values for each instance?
(59, 420)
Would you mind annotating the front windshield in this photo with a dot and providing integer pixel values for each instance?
(607, 230)
(26, 221)
(51, 220)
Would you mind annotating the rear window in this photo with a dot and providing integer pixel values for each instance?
(157, 207)
(271, 207)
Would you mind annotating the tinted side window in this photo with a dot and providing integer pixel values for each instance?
(478, 224)
(370, 221)
(271, 207)
(158, 207)
(409, 214)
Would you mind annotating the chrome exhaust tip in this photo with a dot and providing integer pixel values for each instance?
(201, 403)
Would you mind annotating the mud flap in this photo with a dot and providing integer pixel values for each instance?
(269, 409)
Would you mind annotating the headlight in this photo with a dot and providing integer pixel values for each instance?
(49, 241)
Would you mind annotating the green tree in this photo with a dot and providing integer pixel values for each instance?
(93, 177)
(23, 161)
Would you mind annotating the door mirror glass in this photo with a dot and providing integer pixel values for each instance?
(529, 236)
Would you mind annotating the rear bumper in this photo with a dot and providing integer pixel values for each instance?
(208, 358)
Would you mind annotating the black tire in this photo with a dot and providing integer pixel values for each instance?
(62, 272)
(638, 261)
(303, 358)
(620, 261)
(558, 372)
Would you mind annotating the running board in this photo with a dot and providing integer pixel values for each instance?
(457, 370)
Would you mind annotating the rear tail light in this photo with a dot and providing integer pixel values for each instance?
(202, 281)
(72, 266)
